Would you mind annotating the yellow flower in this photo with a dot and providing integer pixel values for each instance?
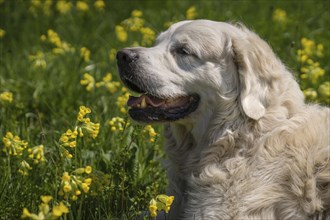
(121, 33)
(324, 90)
(63, 6)
(64, 138)
(153, 208)
(60, 209)
(279, 15)
(112, 54)
(46, 199)
(60, 46)
(310, 94)
(73, 144)
(2, 33)
(121, 102)
(319, 50)
(85, 54)
(134, 23)
(47, 7)
(68, 139)
(54, 38)
(137, 13)
(58, 50)
(38, 59)
(316, 74)
(72, 185)
(24, 168)
(92, 129)
(169, 200)
(66, 177)
(112, 86)
(67, 188)
(88, 169)
(72, 134)
(312, 71)
(43, 37)
(34, 6)
(107, 78)
(6, 97)
(164, 202)
(107, 82)
(78, 192)
(151, 132)
(65, 153)
(148, 36)
(88, 81)
(82, 6)
(86, 124)
(79, 171)
(13, 144)
(308, 46)
(26, 213)
(191, 13)
(85, 187)
(83, 124)
(83, 110)
(37, 154)
(117, 123)
(67, 47)
(303, 58)
(44, 210)
(88, 181)
(99, 5)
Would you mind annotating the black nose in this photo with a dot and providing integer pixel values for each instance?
(127, 55)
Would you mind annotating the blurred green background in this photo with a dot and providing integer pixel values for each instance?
(58, 55)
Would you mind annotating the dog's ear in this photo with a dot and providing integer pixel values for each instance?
(256, 62)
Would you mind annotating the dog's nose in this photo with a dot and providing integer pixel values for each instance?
(127, 55)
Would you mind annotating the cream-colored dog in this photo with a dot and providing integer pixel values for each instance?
(241, 142)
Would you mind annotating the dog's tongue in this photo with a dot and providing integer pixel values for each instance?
(144, 100)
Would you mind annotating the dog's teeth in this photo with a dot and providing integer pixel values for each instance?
(143, 103)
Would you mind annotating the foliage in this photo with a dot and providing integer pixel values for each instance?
(64, 132)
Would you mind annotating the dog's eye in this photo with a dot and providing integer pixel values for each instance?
(182, 51)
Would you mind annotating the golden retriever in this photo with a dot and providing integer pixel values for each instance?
(241, 142)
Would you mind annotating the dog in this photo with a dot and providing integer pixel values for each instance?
(240, 140)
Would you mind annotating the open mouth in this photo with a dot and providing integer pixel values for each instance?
(148, 108)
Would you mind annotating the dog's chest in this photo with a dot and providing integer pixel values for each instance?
(232, 189)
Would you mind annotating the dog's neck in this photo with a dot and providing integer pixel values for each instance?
(186, 141)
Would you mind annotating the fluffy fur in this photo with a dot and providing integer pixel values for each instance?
(253, 149)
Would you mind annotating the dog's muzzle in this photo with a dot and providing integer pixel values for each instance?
(127, 60)
(126, 56)
(150, 108)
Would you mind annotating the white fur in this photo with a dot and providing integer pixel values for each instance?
(253, 149)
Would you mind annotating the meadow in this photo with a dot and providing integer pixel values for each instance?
(68, 149)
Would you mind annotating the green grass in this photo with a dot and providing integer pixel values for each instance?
(127, 166)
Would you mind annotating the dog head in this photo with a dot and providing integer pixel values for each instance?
(198, 66)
